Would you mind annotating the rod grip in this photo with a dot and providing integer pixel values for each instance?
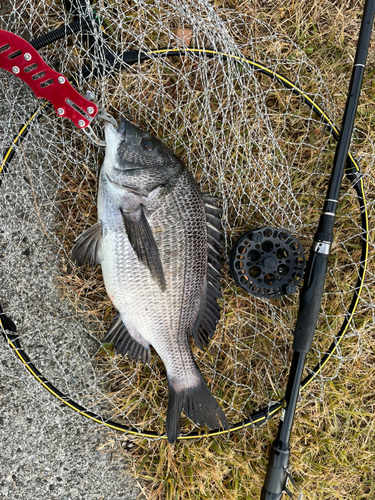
(310, 301)
(277, 473)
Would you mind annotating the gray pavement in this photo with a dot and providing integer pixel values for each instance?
(48, 453)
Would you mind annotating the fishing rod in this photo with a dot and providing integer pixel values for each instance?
(277, 477)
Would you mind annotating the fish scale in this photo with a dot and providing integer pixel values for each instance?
(159, 317)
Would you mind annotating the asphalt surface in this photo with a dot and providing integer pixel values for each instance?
(48, 452)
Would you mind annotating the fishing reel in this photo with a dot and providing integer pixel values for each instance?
(267, 262)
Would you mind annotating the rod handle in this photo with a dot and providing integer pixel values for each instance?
(311, 297)
(277, 472)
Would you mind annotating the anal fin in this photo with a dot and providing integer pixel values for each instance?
(124, 343)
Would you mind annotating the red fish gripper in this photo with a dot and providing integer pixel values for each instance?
(21, 59)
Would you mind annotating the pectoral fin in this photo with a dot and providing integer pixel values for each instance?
(89, 246)
(143, 242)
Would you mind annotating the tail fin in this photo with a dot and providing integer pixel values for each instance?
(200, 406)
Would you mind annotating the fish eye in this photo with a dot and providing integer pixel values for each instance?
(147, 144)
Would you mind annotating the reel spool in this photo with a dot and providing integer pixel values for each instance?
(267, 262)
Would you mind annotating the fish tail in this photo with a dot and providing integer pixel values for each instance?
(175, 407)
(199, 404)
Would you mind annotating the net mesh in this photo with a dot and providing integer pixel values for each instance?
(246, 139)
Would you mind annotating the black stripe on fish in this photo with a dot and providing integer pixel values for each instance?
(211, 200)
(89, 246)
(214, 221)
(143, 242)
(213, 273)
(124, 343)
(213, 305)
(213, 242)
(208, 324)
(213, 231)
(214, 226)
(212, 209)
(213, 291)
(202, 336)
(199, 404)
(213, 260)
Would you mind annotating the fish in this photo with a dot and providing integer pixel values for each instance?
(158, 240)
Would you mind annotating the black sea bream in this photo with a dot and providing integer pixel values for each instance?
(157, 240)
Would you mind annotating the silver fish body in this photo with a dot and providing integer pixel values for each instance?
(151, 241)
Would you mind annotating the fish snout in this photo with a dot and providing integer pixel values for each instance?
(112, 136)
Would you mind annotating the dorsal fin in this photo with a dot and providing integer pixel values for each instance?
(209, 314)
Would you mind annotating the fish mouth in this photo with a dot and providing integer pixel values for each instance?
(115, 135)
(120, 130)
(119, 133)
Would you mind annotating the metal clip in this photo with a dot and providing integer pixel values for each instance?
(323, 247)
(102, 115)
(92, 136)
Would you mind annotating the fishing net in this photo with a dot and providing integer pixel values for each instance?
(246, 137)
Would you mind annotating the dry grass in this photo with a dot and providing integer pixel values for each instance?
(333, 449)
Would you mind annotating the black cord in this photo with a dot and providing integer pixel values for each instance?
(58, 34)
